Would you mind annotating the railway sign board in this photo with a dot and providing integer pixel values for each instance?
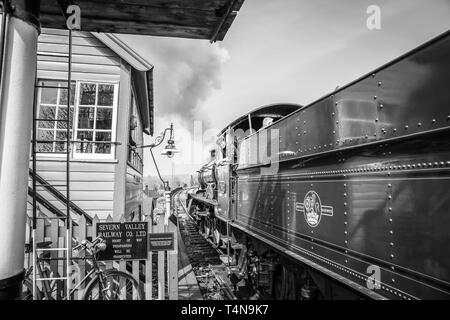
(161, 241)
(127, 240)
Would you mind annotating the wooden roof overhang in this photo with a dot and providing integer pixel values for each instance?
(195, 19)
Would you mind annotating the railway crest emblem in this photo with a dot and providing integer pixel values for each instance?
(313, 209)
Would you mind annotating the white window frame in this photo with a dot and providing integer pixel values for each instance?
(53, 154)
(74, 154)
(96, 156)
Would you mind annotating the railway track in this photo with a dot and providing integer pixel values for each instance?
(209, 270)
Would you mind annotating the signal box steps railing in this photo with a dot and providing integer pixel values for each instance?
(58, 195)
(48, 205)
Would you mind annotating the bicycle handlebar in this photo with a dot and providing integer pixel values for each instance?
(98, 244)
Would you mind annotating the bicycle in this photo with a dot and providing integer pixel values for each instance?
(110, 284)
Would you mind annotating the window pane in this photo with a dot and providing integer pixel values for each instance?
(87, 93)
(61, 135)
(105, 95)
(84, 147)
(46, 112)
(49, 95)
(62, 115)
(103, 147)
(104, 118)
(44, 147)
(45, 135)
(63, 94)
(86, 118)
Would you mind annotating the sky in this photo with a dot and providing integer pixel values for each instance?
(275, 51)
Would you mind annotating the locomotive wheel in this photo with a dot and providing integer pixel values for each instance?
(280, 283)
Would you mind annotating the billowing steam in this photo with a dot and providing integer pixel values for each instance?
(186, 73)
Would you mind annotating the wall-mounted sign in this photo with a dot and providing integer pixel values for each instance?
(127, 241)
(161, 241)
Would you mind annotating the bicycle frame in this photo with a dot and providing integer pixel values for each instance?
(47, 287)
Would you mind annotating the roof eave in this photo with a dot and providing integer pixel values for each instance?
(140, 65)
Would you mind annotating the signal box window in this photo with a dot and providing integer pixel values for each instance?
(92, 114)
(52, 106)
(95, 118)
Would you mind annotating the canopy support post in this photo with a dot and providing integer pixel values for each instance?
(16, 116)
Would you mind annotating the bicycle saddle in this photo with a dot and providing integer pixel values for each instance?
(44, 244)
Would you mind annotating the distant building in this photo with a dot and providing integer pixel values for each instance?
(111, 109)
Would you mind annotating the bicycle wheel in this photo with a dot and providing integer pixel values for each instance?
(27, 291)
(117, 285)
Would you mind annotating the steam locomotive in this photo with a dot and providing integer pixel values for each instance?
(347, 197)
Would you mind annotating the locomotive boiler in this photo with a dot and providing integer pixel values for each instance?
(347, 197)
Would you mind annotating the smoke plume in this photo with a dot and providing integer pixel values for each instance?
(186, 73)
